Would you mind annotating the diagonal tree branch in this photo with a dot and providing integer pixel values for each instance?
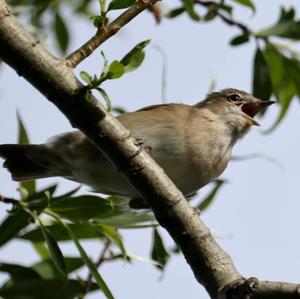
(212, 267)
(106, 32)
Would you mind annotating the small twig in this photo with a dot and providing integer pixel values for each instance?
(9, 200)
(106, 32)
(224, 18)
(102, 258)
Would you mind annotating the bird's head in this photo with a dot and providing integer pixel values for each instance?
(235, 107)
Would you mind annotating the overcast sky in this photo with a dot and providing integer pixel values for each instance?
(258, 210)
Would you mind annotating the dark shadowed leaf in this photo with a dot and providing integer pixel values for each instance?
(18, 272)
(240, 39)
(206, 202)
(23, 138)
(12, 224)
(283, 84)
(175, 12)
(47, 270)
(189, 7)
(119, 4)
(61, 32)
(46, 289)
(82, 207)
(262, 85)
(247, 3)
(82, 231)
(159, 252)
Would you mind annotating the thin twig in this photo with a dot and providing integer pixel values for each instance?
(101, 259)
(9, 200)
(224, 18)
(106, 32)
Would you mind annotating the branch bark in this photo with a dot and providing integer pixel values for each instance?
(106, 32)
(212, 267)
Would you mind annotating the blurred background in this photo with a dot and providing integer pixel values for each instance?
(256, 213)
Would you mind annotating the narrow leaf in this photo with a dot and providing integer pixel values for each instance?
(175, 12)
(240, 39)
(159, 252)
(189, 7)
(12, 224)
(206, 202)
(93, 270)
(23, 138)
(47, 270)
(119, 4)
(44, 288)
(105, 97)
(247, 3)
(56, 254)
(262, 85)
(61, 32)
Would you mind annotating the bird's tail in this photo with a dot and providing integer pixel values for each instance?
(29, 162)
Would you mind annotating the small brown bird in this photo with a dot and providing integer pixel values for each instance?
(191, 143)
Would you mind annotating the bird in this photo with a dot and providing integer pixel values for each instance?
(192, 143)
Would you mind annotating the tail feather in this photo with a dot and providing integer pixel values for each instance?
(28, 162)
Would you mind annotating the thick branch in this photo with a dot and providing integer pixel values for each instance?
(255, 289)
(212, 267)
(106, 32)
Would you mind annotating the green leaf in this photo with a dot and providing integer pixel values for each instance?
(86, 77)
(159, 252)
(115, 70)
(22, 132)
(189, 7)
(47, 270)
(41, 249)
(23, 138)
(46, 289)
(284, 85)
(206, 202)
(247, 3)
(18, 272)
(175, 12)
(114, 236)
(82, 207)
(82, 231)
(93, 270)
(285, 27)
(119, 4)
(61, 32)
(128, 220)
(262, 85)
(105, 97)
(240, 39)
(12, 224)
(56, 254)
(134, 58)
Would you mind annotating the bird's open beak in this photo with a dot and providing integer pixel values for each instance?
(251, 109)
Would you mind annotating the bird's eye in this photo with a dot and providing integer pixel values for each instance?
(234, 98)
